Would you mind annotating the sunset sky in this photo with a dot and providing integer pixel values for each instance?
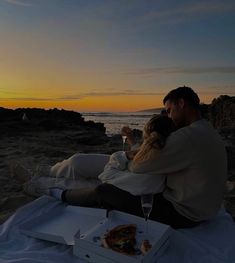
(114, 55)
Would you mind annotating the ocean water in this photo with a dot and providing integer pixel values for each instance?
(114, 121)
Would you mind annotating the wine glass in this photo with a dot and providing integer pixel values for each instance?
(147, 204)
(123, 141)
(125, 132)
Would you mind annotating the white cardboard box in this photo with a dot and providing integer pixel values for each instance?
(83, 228)
(87, 246)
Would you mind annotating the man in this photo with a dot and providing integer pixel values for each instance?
(193, 161)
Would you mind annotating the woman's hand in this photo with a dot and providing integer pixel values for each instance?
(126, 131)
(131, 154)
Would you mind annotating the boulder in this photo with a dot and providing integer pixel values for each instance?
(222, 112)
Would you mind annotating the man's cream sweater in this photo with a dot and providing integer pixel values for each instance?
(195, 164)
(191, 170)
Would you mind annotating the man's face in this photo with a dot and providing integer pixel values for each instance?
(175, 111)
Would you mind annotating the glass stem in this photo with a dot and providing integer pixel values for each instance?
(146, 227)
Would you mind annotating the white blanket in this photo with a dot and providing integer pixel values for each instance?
(211, 242)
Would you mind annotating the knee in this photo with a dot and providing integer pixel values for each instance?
(104, 189)
(74, 157)
(101, 188)
(104, 196)
(76, 160)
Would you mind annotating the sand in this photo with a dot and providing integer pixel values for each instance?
(49, 147)
(41, 148)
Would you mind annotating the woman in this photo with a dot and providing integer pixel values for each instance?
(119, 171)
(110, 176)
(121, 166)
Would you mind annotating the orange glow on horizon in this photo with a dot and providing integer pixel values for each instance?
(107, 103)
(103, 103)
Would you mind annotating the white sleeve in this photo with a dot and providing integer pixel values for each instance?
(117, 162)
(138, 184)
(116, 173)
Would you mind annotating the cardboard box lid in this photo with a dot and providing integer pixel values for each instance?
(61, 224)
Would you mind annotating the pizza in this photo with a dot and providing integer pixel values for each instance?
(121, 239)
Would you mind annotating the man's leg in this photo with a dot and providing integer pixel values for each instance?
(110, 197)
(115, 198)
(104, 196)
(163, 211)
(87, 197)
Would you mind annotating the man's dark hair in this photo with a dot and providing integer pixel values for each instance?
(185, 93)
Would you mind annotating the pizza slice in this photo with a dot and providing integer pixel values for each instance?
(121, 239)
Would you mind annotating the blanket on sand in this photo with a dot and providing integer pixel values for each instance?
(211, 242)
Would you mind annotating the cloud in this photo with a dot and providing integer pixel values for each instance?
(232, 87)
(182, 70)
(26, 99)
(107, 94)
(223, 89)
(84, 95)
(190, 11)
(19, 2)
(216, 94)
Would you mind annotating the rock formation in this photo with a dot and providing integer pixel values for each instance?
(25, 120)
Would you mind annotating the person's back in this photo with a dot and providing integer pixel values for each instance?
(193, 160)
(196, 191)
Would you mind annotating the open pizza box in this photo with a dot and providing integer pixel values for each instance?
(83, 228)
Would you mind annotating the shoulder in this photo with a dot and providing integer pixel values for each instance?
(185, 136)
(179, 136)
(187, 132)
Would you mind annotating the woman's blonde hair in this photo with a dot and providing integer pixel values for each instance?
(155, 133)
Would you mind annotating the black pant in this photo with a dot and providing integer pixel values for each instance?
(110, 197)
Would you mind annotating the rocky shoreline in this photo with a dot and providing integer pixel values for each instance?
(37, 136)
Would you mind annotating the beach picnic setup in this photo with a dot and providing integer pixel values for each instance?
(47, 230)
(117, 131)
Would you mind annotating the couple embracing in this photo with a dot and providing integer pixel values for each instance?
(181, 161)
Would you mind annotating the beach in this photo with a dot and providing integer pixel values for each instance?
(43, 141)
(35, 149)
